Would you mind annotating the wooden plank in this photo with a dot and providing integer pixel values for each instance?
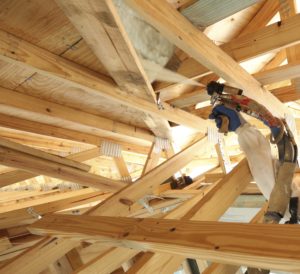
(67, 134)
(262, 18)
(287, 94)
(55, 67)
(122, 168)
(120, 203)
(4, 244)
(152, 159)
(207, 12)
(285, 72)
(18, 216)
(267, 39)
(16, 176)
(288, 9)
(32, 104)
(216, 268)
(41, 154)
(201, 207)
(131, 193)
(74, 258)
(184, 35)
(37, 165)
(209, 240)
(276, 61)
(109, 41)
(49, 246)
(121, 255)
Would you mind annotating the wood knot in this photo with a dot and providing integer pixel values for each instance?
(126, 202)
(172, 229)
(125, 234)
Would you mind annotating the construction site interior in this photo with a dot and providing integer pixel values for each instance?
(149, 136)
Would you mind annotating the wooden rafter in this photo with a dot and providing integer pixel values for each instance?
(16, 176)
(118, 204)
(29, 56)
(67, 134)
(105, 126)
(170, 236)
(15, 157)
(108, 40)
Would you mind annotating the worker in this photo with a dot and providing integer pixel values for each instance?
(275, 186)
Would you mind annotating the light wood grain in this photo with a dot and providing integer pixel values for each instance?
(222, 242)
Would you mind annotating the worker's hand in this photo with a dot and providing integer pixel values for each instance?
(233, 116)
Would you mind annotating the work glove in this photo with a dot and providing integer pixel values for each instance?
(232, 115)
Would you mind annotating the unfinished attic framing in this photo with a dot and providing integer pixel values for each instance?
(104, 123)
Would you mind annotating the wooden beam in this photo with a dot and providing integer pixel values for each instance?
(152, 159)
(287, 94)
(119, 204)
(122, 168)
(16, 176)
(262, 18)
(104, 126)
(4, 244)
(121, 255)
(67, 134)
(276, 61)
(289, 9)
(193, 239)
(110, 43)
(43, 155)
(187, 37)
(264, 40)
(201, 207)
(49, 246)
(18, 215)
(29, 56)
(33, 164)
(216, 268)
(285, 72)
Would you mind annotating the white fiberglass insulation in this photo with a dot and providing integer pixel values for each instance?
(148, 42)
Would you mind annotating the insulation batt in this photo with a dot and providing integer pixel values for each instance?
(148, 42)
(258, 152)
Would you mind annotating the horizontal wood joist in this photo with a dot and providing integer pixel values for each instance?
(287, 94)
(184, 35)
(28, 159)
(15, 176)
(243, 244)
(273, 37)
(17, 215)
(19, 101)
(67, 134)
(119, 204)
(281, 73)
(17, 51)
